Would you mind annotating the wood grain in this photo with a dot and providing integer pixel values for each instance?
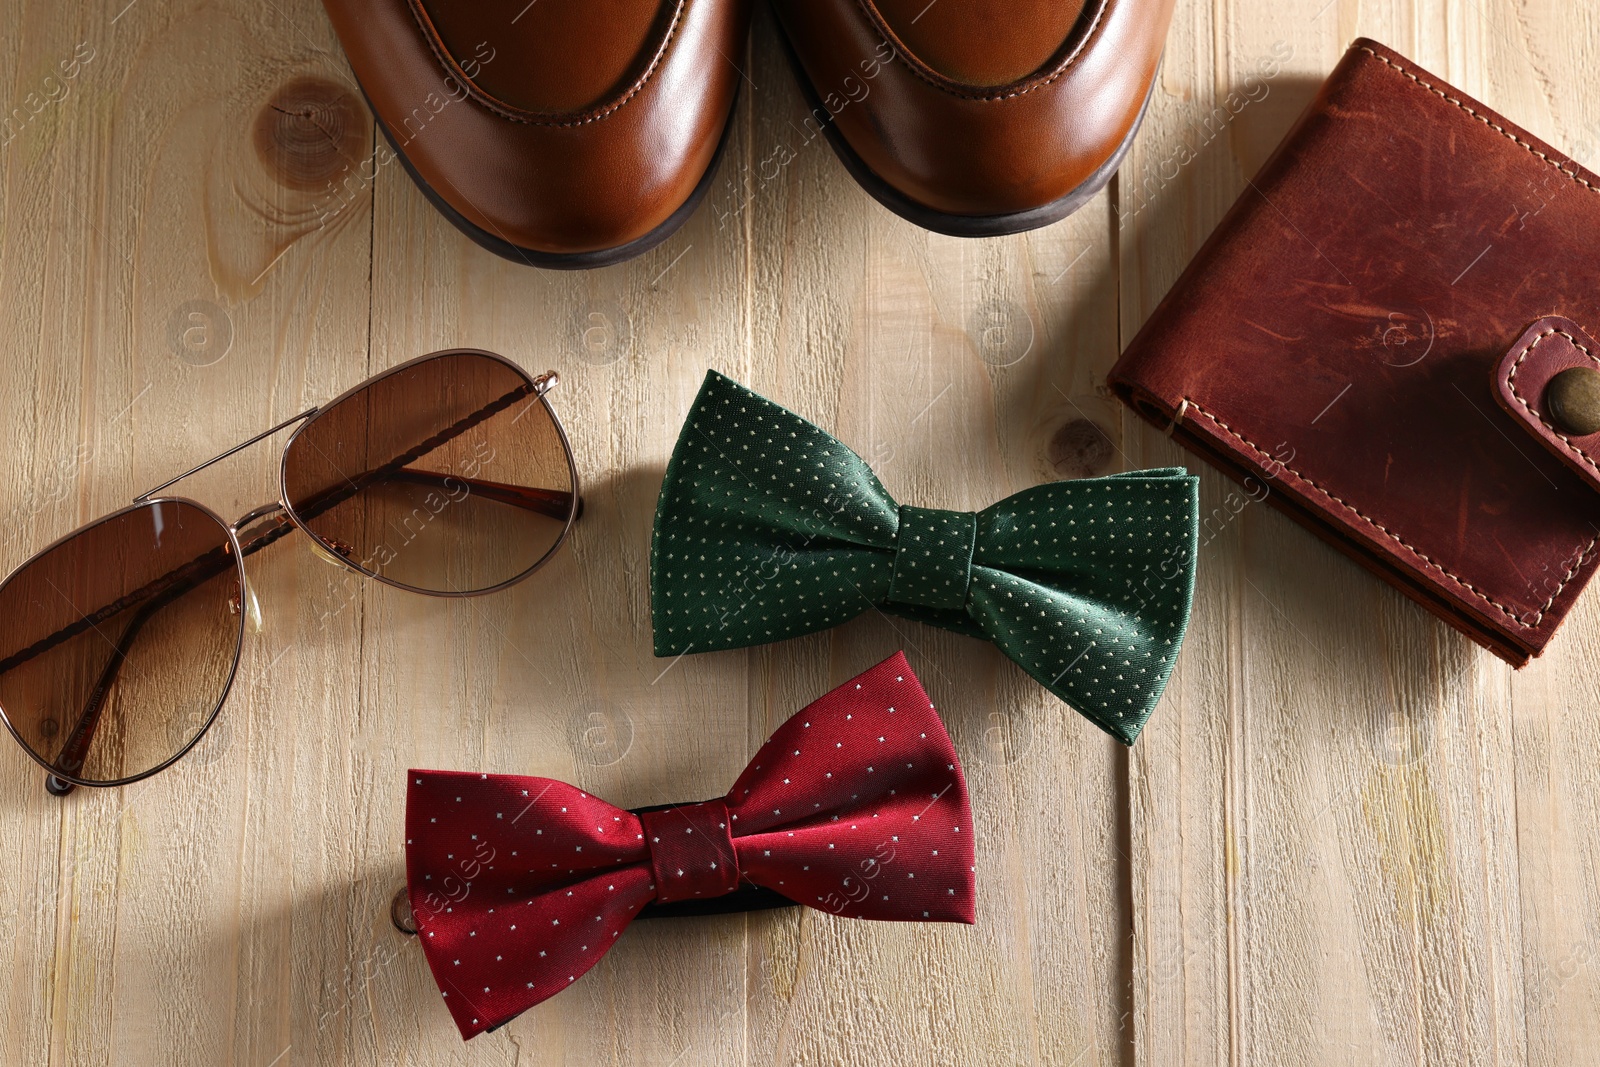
(1346, 837)
(1345, 819)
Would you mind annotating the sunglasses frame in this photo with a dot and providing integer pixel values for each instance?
(60, 783)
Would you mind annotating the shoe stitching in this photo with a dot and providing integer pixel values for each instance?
(1538, 617)
(1021, 87)
(543, 118)
(1511, 380)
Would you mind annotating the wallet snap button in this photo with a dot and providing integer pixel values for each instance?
(1573, 400)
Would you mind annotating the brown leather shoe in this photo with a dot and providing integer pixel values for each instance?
(560, 133)
(977, 117)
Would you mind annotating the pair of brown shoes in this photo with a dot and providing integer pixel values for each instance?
(578, 133)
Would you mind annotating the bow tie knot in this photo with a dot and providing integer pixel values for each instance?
(933, 557)
(691, 851)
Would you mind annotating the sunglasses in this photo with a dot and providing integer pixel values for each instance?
(449, 475)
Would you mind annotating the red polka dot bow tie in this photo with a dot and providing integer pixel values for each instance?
(855, 806)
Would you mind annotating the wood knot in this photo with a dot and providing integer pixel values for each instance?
(1079, 449)
(309, 132)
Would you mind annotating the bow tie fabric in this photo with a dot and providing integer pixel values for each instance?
(768, 528)
(855, 806)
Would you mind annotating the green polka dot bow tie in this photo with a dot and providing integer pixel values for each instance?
(769, 528)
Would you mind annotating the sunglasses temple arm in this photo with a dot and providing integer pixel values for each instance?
(72, 754)
(552, 502)
(153, 595)
(555, 503)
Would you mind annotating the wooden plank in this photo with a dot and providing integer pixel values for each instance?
(952, 366)
(170, 283)
(172, 289)
(1531, 64)
(1327, 818)
(44, 455)
(555, 677)
(1182, 956)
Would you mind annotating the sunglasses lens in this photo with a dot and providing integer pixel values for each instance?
(117, 645)
(449, 476)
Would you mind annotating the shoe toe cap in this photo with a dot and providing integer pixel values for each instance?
(912, 133)
(606, 177)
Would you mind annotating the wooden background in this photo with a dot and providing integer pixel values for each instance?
(1347, 837)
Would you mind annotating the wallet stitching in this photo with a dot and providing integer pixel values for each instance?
(1027, 83)
(561, 120)
(1538, 617)
(1511, 380)
(1501, 130)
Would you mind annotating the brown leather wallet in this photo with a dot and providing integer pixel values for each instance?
(1361, 336)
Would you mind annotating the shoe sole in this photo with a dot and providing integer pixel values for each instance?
(961, 225)
(532, 257)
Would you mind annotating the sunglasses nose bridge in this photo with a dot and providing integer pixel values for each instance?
(257, 514)
(244, 602)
